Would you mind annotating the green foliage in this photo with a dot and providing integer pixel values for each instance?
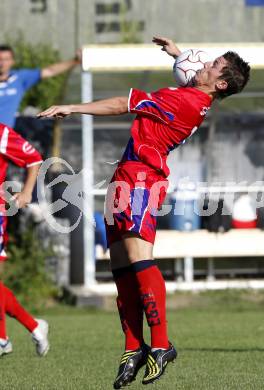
(49, 91)
(25, 271)
(129, 29)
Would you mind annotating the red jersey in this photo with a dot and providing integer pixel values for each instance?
(165, 118)
(14, 148)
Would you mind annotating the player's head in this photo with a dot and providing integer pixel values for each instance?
(236, 73)
(7, 58)
(225, 76)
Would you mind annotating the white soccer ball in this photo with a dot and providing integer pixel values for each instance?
(187, 64)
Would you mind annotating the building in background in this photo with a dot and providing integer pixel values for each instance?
(68, 24)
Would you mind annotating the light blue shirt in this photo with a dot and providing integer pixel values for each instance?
(12, 91)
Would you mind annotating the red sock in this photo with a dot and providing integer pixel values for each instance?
(3, 334)
(129, 307)
(153, 297)
(14, 309)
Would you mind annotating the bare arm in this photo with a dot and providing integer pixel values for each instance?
(168, 46)
(61, 67)
(24, 197)
(112, 106)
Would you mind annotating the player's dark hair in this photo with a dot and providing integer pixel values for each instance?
(236, 73)
(7, 48)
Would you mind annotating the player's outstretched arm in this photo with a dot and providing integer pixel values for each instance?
(167, 45)
(61, 67)
(112, 106)
(24, 197)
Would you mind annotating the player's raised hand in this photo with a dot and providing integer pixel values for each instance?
(56, 111)
(167, 45)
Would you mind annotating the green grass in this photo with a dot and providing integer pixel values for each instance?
(219, 337)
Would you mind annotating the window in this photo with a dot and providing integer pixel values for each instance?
(102, 8)
(104, 27)
(40, 6)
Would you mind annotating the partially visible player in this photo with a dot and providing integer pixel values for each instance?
(165, 118)
(14, 83)
(14, 148)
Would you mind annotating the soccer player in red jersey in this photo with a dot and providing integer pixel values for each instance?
(15, 149)
(164, 119)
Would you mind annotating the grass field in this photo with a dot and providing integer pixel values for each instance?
(219, 337)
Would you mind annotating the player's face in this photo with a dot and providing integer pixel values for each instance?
(209, 76)
(6, 61)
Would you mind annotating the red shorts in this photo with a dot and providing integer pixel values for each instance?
(3, 237)
(135, 193)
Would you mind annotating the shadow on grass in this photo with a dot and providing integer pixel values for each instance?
(221, 350)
